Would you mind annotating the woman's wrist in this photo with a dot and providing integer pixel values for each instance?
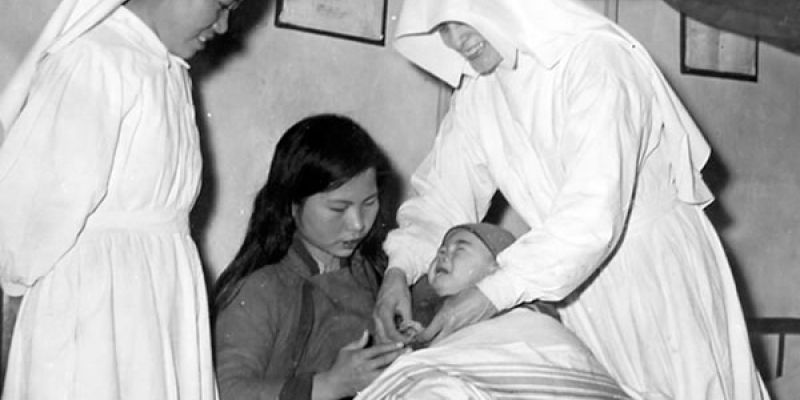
(396, 274)
(324, 388)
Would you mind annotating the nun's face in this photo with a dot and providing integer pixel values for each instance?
(184, 26)
(468, 42)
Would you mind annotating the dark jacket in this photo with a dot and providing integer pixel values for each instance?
(257, 333)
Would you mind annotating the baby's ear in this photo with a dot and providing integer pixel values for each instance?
(431, 269)
(432, 264)
(494, 266)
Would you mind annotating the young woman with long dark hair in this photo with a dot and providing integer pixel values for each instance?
(294, 306)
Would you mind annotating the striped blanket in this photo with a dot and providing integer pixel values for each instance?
(519, 355)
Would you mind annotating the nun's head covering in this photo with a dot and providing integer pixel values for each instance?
(546, 30)
(540, 28)
(71, 19)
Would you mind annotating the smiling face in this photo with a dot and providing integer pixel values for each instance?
(468, 42)
(184, 26)
(463, 260)
(333, 223)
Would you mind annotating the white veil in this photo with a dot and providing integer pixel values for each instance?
(545, 30)
(70, 19)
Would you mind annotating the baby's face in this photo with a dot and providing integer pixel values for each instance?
(461, 262)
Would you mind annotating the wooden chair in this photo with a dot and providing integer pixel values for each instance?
(775, 326)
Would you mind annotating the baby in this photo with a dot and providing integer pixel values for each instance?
(467, 254)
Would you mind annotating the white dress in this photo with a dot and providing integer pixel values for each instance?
(94, 225)
(579, 131)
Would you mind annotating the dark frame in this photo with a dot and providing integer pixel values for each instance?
(704, 52)
(335, 20)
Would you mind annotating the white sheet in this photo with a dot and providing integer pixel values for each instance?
(519, 355)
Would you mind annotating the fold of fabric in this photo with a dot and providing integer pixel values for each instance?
(547, 30)
(70, 19)
(518, 355)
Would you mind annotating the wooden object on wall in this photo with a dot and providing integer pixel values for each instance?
(780, 327)
(9, 316)
(706, 50)
(773, 21)
(360, 20)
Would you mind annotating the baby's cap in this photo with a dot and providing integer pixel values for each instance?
(494, 237)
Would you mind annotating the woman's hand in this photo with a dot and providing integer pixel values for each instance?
(393, 304)
(355, 367)
(464, 308)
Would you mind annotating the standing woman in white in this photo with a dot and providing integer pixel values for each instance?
(98, 172)
(566, 114)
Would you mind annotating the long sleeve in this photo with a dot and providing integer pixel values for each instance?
(452, 186)
(607, 123)
(57, 174)
(246, 337)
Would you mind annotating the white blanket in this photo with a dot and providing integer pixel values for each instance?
(518, 355)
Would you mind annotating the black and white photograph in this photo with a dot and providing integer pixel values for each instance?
(399, 199)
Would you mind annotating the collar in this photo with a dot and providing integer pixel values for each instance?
(147, 37)
(309, 264)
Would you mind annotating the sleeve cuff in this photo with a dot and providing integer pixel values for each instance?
(503, 290)
(411, 276)
(298, 387)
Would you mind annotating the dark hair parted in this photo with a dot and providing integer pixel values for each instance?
(317, 154)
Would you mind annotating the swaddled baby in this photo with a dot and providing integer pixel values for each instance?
(522, 352)
(468, 253)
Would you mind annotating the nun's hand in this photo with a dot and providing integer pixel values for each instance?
(392, 306)
(465, 308)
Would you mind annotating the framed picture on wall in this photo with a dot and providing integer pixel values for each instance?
(709, 51)
(360, 20)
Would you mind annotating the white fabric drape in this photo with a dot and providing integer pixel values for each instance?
(70, 19)
(99, 172)
(518, 355)
(546, 30)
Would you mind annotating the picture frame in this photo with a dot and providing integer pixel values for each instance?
(359, 20)
(709, 51)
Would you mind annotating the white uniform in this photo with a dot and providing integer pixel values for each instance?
(581, 133)
(98, 175)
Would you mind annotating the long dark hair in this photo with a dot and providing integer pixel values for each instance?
(317, 154)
